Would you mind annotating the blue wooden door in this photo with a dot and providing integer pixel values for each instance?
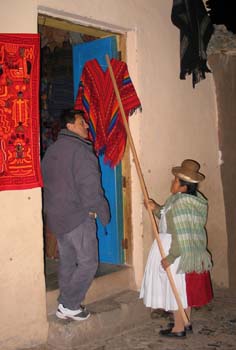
(109, 237)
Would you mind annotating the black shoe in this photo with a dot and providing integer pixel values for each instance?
(168, 333)
(188, 328)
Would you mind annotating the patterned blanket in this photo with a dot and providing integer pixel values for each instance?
(96, 97)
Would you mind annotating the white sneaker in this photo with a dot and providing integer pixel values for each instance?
(78, 315)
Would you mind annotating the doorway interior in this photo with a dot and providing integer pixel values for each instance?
(58, 38)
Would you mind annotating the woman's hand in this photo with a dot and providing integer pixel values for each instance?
(151, 204)
(165, 263)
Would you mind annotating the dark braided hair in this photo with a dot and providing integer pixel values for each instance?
(191, 187)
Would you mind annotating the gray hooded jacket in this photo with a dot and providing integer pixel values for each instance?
(72, 184)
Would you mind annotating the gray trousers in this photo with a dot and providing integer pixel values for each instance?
(78, 262)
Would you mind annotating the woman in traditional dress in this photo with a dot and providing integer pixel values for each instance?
(183, 236)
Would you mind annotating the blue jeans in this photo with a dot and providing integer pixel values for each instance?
(78, 262)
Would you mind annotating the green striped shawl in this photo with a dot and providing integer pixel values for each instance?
(189, 217)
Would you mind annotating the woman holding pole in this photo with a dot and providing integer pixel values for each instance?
(183, 236)
(181, 312)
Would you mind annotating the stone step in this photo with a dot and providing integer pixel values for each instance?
(109, 317)
(102, 287)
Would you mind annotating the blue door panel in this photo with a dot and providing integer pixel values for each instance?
(109, 237)
(91, 50)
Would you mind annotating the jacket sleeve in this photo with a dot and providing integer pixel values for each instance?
(88, 184)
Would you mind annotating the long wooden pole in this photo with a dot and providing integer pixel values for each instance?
(145, 192)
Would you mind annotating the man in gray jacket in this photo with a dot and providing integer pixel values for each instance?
(73, 198)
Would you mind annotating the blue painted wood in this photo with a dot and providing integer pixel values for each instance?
(109, 237)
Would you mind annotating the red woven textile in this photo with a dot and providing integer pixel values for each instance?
(96, 97)
(19, 112)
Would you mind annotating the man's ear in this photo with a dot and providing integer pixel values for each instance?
(69, 126)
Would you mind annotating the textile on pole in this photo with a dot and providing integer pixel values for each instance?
(96, 97)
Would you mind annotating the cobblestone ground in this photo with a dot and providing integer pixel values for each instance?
(214, 328)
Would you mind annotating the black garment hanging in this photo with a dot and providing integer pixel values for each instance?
(196, 28)
(222, 12)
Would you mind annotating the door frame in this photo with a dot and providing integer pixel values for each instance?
(121, 37)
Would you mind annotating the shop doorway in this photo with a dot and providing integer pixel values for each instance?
(63, 54)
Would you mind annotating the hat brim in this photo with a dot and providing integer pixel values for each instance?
(189, 177)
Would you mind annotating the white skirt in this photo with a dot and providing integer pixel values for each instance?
(156, 290)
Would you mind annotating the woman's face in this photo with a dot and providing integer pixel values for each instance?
(176, 187)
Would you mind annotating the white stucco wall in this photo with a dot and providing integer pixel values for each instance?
(177, 122)
(22, 291)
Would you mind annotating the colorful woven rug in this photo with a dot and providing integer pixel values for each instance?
(19, 112)
(96, 97)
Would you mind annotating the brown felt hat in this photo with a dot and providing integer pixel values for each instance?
(188, 171)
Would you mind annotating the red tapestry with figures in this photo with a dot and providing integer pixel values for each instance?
(19, 111)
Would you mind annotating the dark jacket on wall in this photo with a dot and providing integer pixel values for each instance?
(196, 28)
(70, 197)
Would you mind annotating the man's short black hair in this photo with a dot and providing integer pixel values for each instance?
(68, 116)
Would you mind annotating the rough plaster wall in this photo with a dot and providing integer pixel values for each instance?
(224, 72)
(179, 122)
(22, 292)
(22, 282)
(176, 122)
